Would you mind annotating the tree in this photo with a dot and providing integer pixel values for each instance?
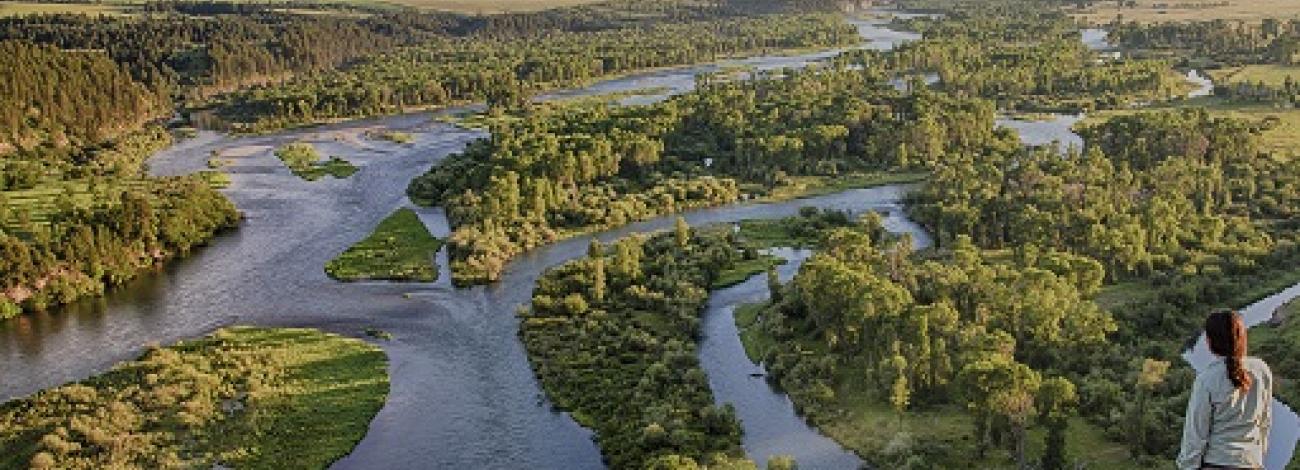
(1056, 404)
(900, 395)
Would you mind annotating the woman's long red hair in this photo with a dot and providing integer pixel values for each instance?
(1226, 335)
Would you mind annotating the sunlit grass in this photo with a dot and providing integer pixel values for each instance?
(400, 249)
(1148, 11)
(1269, 74)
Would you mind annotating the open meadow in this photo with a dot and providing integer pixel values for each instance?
(1154, 11)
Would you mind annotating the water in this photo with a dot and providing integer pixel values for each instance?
(1204, 86)
(1095, 39)
(1058, 130)
(463, 395)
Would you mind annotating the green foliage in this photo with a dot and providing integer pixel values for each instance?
(204, 402)
(301, 158)
(948, 329)
(504, 70)
(804, 230)
(510, 192)
(399, 249)
(104, 237)
(1025, 57)
(626, 366)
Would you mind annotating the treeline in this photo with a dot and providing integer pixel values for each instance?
(572, 169)
(195, 50)
(1213, 43)
(613, 338)
(56, 99)
(508, 71)
(867, 318)
(1287, 93)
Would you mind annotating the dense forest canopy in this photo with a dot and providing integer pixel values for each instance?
(507, 193)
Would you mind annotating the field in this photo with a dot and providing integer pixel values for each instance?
(30, 8)
(242, 397)
(461, 6)
(400, 249)
(1150, 11)
(1271, 74)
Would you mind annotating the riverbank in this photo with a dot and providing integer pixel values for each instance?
(241, 397)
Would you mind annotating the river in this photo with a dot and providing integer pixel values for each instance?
(463, 395)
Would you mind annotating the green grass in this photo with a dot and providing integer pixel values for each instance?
(400, 249)
(1148, 11)
(244, 397)
(751, 335)
(768, 233)
(302, 159)
(744, 269)
(799, 187)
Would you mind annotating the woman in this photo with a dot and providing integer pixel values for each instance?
(1230, 411)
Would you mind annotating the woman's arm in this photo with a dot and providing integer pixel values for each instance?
(1196, 429)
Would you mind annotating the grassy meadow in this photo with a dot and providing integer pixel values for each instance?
(400, 249)
(242, 397)
(1153, 11)
(1269, 74)
(35, 8)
